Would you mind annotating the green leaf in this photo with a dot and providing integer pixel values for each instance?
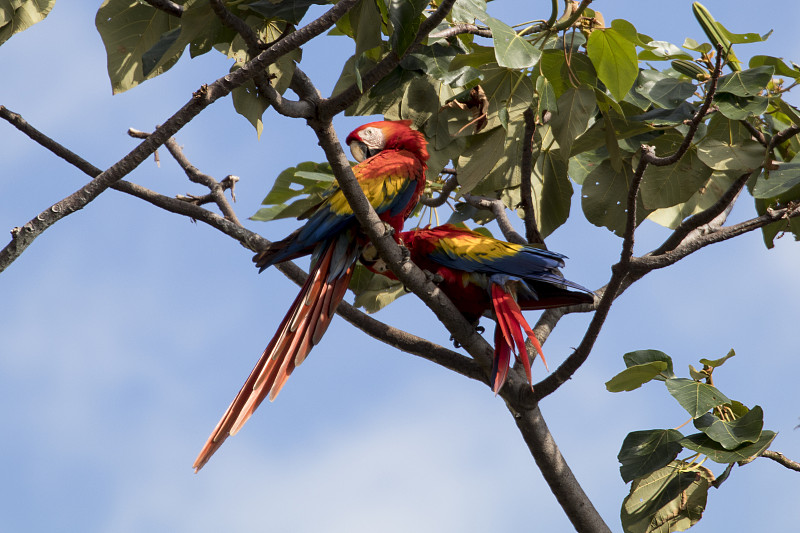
(662, 90)
(781, 68)
(780, 181)
(714, 363)
(374, 291)
(728, 146)
(700, 442)
(697, 398)
(552, 191)
(705, 197)
(366, 21)
(291, 11)
(19, 15)
(665, 186)
(662, 51)
(562, 76)
(640, 357)
(669, 499)
(604, 197)
(310, 180)
(734, 433)
(511, 50)
(575, 108)
(748, 82)
(405, 18)
(643, 452)
(130, 29)
(614, 58)
(506, 88)
(743, 38)
(691, 44)
(468, 10)
(152, 57)
(635, 376)
(740, 107)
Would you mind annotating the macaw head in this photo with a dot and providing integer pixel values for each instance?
(369, 139)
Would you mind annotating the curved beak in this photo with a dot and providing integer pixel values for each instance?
(359, 150)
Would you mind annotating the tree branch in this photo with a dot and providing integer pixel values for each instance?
(529, 219)
(201, 99)
(498, 209)
(387, 334)
(448, 187)
(781, 459)
(559, 477)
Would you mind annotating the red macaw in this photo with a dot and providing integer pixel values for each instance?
(391, 172)
(479, 273)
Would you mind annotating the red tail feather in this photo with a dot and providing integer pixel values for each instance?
(301, 329)
(508, 334)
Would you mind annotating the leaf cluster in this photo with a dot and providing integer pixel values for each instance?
(667, 493)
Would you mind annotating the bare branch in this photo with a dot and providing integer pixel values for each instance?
(755, 133)
(556, 472)
(498, 209)
(781, 459)
(460, 29)
(448, 187)
(167, 6)
(783, 136)
(387, 334)
(529, 218)
(201, 99)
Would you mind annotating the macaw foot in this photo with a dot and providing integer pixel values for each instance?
(434, 278)
(388, 228)
(404, 252)
(478, 328)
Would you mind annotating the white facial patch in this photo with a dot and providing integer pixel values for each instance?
(372, 137)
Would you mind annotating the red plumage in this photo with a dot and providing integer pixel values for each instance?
(392, 175)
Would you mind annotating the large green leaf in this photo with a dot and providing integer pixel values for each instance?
(604, 197)
(614, 58)
(563, 76)
(129, 29)
(508, 90)
(727, 145)
(19, 15)
(780, 181)
(511, 50)
(552, 191)
(705, 197)
(732, 433)
(748, 82)
(635, 376)
(640, 357)
(700, 442)
(467, 10)
(576, 107)
(643, 452)
(665, 186)
(663, 90)
(669, 499)
(697, 398)
(740, 107)
(405, 18)
(781, 68)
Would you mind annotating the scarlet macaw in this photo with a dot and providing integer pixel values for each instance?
(391, 172)
(479, 273)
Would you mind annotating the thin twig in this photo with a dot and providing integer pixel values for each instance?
(498, 209)
(781, 459)
(526, 167)
(201, 99)
(448, 187)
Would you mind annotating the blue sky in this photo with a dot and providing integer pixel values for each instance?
(125, 331)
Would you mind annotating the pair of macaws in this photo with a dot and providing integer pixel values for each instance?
(476, 272)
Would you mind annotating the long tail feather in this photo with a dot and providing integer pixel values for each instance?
(502, 358)
(301, 329)
(510, 323)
